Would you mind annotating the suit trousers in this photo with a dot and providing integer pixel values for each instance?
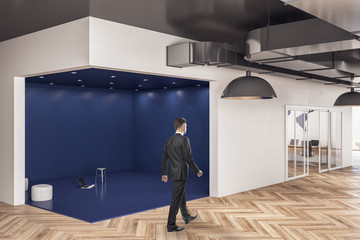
(178, 201)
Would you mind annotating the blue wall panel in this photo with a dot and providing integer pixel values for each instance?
(154, 123)
(70, 131)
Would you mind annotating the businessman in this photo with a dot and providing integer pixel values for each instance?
(177, 152)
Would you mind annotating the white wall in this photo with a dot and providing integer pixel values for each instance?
(246, 137)
(252, 134)
(122, 47)
(214, 136)
(62, 47)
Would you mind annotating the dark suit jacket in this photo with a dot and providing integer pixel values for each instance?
(177, 152)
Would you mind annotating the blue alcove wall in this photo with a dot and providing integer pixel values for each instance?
(71, 130)
(154, 123)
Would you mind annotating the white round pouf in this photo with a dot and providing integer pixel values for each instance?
(41, 192)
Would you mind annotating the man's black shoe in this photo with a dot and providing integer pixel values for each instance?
(175, 228)
(190, 218)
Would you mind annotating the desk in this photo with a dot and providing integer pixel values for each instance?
(315, 149)
(298, 149)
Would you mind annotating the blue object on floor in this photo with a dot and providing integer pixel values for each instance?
(123, 193)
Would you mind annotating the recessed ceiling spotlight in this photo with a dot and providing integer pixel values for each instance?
(111, 83)
(165, 87)
(140, 85)
(198, 85)
(79, 80)
(145, 80)
(173, 82)
(73, 72)
(51, 83)
(136, 90)
(111, 88)
(82, 85)
(113, 76)
(41, 77)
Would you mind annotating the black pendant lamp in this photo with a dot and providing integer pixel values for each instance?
(349, 99)
(248, 87)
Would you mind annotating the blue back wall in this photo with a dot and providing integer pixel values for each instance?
(154, 123)
(70, 131)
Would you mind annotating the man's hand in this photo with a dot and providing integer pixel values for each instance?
(164, 178)
(200, 173)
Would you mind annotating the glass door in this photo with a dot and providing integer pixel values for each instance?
(314, 139)
(292, 144)
(301, 130)
(297, 144)
(324, 141)
(335, 146)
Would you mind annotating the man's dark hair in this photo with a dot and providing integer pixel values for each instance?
(179, 122)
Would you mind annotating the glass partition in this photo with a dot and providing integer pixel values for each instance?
(314, 140)
(297, 144)
(324, 140)
(300, 131)
(291, 143)
(335, 140)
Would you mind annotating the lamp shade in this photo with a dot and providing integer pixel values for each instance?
(248, 87)
(348, 99)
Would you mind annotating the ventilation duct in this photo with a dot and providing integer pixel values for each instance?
(311, 50)
(200, 53)
(298, 38)
(310, 46)
(344, 14)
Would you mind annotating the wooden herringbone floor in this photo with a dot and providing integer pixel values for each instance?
(321, 206)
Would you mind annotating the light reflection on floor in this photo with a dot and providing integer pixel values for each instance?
(123, 193)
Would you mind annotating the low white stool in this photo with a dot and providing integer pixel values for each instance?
(41, 192)
(100, 172)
